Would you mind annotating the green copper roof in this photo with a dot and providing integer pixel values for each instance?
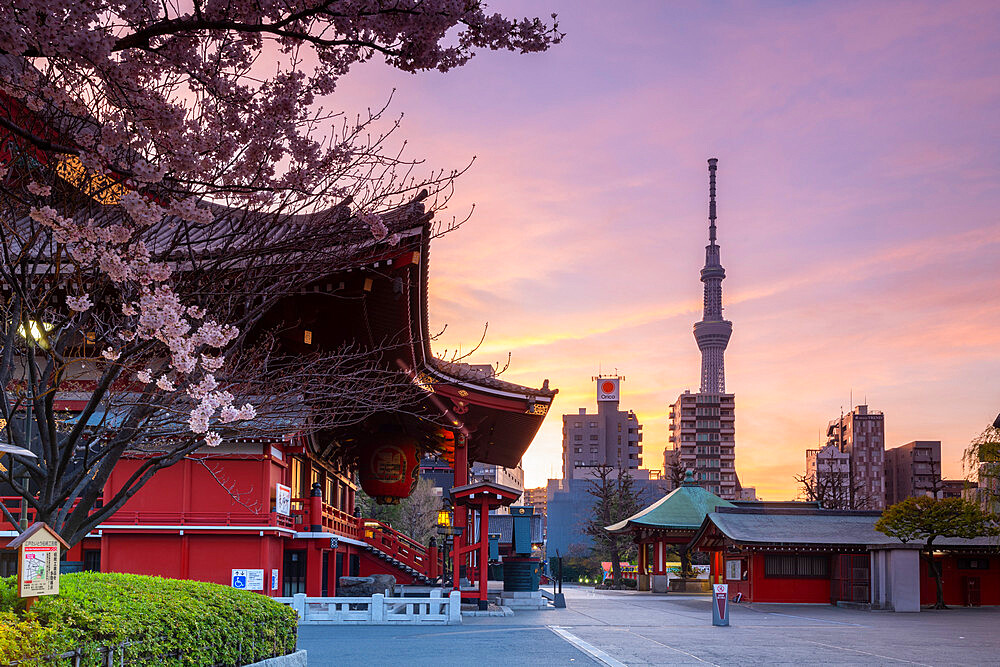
(684, 508)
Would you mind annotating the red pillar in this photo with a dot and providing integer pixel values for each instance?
(461, 514)
(484, 554)
(314, 569)
(432, 561)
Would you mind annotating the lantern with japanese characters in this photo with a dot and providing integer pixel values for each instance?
(389, 467)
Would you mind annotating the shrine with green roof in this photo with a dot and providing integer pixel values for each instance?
(671, 521)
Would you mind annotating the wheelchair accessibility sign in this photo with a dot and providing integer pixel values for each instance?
(249, 580)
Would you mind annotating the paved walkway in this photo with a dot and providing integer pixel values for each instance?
(627, 628)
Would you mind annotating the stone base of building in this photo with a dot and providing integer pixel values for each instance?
(658, 583)
(523, 600)
(679, 585)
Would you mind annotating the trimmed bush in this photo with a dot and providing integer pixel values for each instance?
(170, 622)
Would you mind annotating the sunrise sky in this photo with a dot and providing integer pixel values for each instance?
(859, 213)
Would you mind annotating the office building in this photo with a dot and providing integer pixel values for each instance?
(609, 437)
(861, 435)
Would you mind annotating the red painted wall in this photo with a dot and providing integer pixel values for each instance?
(192, 487)
(955, 582)
(759, 588)
(201, 557)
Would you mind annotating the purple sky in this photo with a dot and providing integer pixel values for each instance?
(859, 213)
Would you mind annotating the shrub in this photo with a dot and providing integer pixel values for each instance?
(630, 583)
(171, 622)
(23, 636)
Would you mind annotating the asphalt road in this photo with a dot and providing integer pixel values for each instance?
(627, 628)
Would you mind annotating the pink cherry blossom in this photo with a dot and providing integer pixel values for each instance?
(80, 303)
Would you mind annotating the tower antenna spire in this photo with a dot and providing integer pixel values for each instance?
(712, 332)
(713, 165)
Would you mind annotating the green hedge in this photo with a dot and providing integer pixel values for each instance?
(173, 622)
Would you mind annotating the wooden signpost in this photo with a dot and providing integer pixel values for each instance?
(38, 550)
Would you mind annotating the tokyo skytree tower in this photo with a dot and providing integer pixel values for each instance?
(712, 332)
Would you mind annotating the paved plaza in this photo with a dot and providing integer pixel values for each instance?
(628, 628)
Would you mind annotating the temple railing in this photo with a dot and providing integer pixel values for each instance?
(396, 545)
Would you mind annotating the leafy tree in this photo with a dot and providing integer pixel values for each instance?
(615, 498)
(982, 461)
(169, 172)
(925, 519)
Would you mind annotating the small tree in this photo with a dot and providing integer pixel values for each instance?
(675, 472)
(615, 498)
(926, 519)
(835, 490)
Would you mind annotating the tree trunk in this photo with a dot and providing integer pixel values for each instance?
(616, 569)
(939, 581)
(935, 569)
(685, 562)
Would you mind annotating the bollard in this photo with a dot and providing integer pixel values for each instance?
(720, 604)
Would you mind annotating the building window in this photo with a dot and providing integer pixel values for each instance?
(578, 438)
(577, 450)
(796, 566)
(593, 436)
(973, 563)
(298, 478)
(592, 424)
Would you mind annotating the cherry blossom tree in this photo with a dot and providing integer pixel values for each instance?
(168, 173)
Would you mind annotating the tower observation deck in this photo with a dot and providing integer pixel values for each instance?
(712, 332)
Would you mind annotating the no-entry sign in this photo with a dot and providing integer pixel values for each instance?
(720, 604)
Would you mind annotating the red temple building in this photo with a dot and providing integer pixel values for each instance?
(837, 557)
(275, 512)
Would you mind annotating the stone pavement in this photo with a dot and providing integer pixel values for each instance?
(627, 628)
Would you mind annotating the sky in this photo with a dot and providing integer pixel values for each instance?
(858, 203)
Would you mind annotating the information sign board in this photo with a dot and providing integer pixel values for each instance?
(283, 500)
(38, 550)
(250, 580)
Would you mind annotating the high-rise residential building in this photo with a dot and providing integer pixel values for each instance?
(828, 477)
(702, 428)
(913, 469)
(702, 425)
(861, 435)
(611, 437)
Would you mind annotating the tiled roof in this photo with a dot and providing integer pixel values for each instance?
(818, 527)
(683, 508)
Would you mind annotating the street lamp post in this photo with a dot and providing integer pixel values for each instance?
(34, 333)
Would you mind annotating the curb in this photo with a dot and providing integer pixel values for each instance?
(297, 659)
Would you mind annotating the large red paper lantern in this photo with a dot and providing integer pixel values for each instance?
(389, 468)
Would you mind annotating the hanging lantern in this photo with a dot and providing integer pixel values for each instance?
(389, 468)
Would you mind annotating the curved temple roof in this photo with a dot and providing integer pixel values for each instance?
(684, 508)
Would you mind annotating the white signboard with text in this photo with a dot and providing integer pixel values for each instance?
(248, 580)
(283, 499)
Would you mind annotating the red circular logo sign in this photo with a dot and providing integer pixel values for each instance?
(607, 387)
